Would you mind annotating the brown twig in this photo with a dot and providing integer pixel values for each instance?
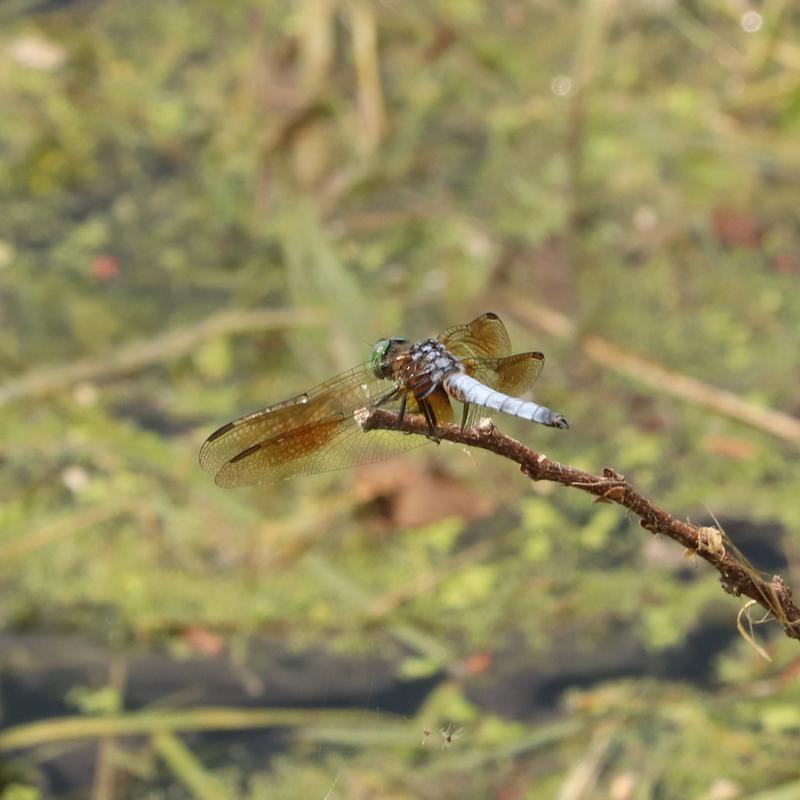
(737, 576)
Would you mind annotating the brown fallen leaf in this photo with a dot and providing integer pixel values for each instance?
(737, 228)
(412, 495)
(203, 641)
(728, 446)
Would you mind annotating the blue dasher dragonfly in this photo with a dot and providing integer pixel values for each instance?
(317, 431)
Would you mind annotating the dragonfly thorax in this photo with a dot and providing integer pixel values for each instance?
(433, 357)
(420, 367)
(425, 366)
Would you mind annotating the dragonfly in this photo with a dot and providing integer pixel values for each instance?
(317, 431)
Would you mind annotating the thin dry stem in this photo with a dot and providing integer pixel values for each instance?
(658, 378)
(371, 106)
(737, 576)
(137, 355)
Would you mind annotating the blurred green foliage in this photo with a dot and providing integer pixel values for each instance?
(634, 166)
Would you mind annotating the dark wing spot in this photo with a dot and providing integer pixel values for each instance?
(221, 432)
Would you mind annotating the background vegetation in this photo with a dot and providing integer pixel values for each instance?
(207, 207)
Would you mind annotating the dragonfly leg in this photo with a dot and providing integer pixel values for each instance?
(385, 398)
(464, 414)
(393, 395)
(402, 411)
(430, 418)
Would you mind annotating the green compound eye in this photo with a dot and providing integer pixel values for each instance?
(379, 355)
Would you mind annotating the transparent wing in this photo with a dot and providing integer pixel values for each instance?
(512, 375)
(484, 337)
(326, 446)
(313, 432)
(485, 348)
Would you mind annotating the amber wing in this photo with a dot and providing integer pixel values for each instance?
(485, 348)
(484, 337)
(316, 431)
(313, 432)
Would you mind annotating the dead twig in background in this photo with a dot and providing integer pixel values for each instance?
(588, 57)
(653, 375)
(371, 106)
(728, 404)
(104, 767)
(62, 526)
(135, 356)
(737, 576)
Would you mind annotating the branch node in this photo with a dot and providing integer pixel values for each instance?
(711, 541)
(738, 577)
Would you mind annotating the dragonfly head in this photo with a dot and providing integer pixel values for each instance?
(383, 352)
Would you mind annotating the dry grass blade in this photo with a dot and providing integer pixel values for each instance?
(138, 355)
(149, 723)
(654, 376)
(748, 635)
(187, 768)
